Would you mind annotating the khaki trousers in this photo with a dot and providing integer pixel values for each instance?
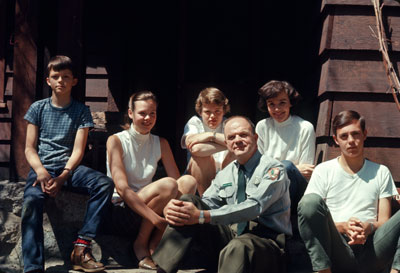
(219, 247)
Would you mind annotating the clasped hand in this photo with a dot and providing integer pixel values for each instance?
(180, 213)
(49, 185)
(356, 231)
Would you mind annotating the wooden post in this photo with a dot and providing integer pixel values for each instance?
(24, 85)
(3, 39)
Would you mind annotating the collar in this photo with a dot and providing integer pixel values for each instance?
(284, 123)
(139, 138)
(251, 164)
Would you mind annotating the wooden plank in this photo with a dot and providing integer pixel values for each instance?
(326, 36)
(382, 118)
(6, 113)
(3, 39)
(324, 118)
(342, 75)
(25, 67)
(4, 153)
(352, 32)
(97, 106)
(97, 87)
(379, 155)
(9, 86)
(356, 3)
(5, 130)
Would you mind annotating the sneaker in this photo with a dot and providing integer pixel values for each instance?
(82, 259)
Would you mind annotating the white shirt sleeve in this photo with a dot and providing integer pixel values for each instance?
(260, 130)
(193, 126)
(317, 183)
(387, 187)
(307, 144)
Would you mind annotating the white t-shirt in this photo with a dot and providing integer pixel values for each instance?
(293, 139)
(196, 126)
(141, 154)
(354, 195)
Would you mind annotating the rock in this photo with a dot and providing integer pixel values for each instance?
(62, 220)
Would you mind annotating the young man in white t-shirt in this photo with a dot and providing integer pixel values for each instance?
(344, 215)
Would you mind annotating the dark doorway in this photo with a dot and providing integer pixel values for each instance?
(177, 48)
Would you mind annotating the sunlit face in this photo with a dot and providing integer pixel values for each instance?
(350, 139)
(144, 115)
(279, 107)
(61, 82)
(240, 139)
(212, 114)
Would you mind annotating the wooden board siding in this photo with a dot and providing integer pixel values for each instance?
(377, 154)
(3, 39)
(344, 32)
(353, 77)
(24, 85)
(358, 74)
(382, 118)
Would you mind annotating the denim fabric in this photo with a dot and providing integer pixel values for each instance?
(329, 249)
(84, 180)
(298, 184)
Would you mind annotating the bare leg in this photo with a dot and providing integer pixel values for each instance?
(203, 170)
(394, 271)
(186, 185)
(156, 195)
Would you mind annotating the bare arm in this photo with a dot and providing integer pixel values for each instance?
(205, 144)
(168, 159)
(78, 151)
(130, 197)
(32, 133)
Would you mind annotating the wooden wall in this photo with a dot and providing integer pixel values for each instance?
(353, 77)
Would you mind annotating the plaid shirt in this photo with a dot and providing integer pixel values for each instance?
(57, 129)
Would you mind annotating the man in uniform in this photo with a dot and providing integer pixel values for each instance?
(241, 220)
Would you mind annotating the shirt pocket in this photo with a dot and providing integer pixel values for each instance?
(227, 192)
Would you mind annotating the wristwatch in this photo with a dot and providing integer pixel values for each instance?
(69, 171)
(201, 217)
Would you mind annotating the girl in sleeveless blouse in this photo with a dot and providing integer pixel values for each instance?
(132, 157)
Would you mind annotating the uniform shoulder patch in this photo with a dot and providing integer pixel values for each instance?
(273, 173)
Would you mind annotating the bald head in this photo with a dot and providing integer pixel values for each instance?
(240, 138)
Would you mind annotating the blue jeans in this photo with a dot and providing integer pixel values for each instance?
(84, 180)
(298, 184)
(329, 249)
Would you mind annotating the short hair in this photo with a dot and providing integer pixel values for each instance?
(138, 96)
(253, 128)
(61, 62)
(345, 118)
(272, 88)
(212, 95)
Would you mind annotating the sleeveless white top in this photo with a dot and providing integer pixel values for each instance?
(140, 156)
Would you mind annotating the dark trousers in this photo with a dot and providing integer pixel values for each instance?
(329, 249)
(249, 252)
(298, 184)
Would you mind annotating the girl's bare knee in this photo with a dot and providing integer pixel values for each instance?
(169, 187)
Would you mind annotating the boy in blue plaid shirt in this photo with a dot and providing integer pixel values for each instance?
(57, 131)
